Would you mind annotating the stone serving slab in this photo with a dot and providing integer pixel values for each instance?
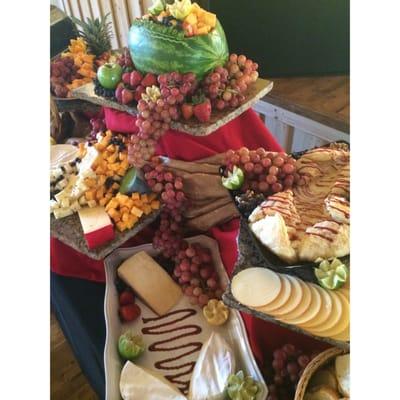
(249, 256)
(218, 118)
(69, 231)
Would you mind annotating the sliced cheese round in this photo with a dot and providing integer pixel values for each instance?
(294, 300)
(302, 306)
(334, 316)
(312, 310)
(282, 297)
(255, 287)
(324, 312)
(343, 321)
(344, 335)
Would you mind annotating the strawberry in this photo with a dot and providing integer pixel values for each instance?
(138, 92)
(129, 312)
(135, 78)
(126, 96)
(149, 80)
(126, 77)
(118, 92)
(187, 110)
(202, 109)
(126, 297)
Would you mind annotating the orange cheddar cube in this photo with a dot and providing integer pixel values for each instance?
(136, 211)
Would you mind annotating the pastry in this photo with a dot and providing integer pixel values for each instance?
(312, 220)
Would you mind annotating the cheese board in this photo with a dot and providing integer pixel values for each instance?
(219, 118)
(189, 319)
(250, 257)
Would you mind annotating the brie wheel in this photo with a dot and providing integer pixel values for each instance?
(137, 383)
(213, 367)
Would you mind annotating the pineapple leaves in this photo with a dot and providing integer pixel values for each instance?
(96, 33)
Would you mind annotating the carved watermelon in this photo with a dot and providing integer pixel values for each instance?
(159, 49)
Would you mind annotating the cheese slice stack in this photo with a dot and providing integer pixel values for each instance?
(97, 226)
(151, 282)
(137, 383)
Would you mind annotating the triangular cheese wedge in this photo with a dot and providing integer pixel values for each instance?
(137, 383)
(214, 365)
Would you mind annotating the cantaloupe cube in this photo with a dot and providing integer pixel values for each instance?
(203, 31)
(103, 201)
(191, 19)
(121, 226)
(136, 211)
(90, 194)
(155, 204)
(209, 19)
(146, 209)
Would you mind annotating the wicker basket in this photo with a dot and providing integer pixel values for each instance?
(317, 362)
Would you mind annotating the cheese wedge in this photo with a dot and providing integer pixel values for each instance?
(255, 287)
(137, 383)
(96, 225)
(213, 367)
(151, 282)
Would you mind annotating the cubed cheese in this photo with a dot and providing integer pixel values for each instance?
(151, 282)
(96, 225)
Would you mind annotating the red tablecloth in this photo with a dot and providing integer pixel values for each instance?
(246, 130)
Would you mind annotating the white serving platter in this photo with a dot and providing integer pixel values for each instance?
(233, 330)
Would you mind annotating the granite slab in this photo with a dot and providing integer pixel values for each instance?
(69, 231)
(218, 118)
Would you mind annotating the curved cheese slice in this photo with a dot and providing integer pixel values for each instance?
(343, 322)
(325, 311)
(213, 367)
(137, 383)
(282, 297)
(302, 306)
(312, 311)
(334, 316)
(294, 300)
(255, 287)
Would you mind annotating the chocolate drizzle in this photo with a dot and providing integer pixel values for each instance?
(186, 368)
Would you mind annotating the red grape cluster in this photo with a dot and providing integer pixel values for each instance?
(265, 172)
(62, 71)
(98, 124)
(155, 116)
(175, 87)
(168, 237)
(288, 365)
(125, 60)
(196, 273)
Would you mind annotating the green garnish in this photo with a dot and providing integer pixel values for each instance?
(331, 273)
(130, 346)
(242, 387)
(234, 180)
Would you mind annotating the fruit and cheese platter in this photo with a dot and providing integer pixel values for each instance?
(162, 343)
(298, 210)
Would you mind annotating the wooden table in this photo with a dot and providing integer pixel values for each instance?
(307, 111)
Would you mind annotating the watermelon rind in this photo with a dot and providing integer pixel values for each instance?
(160, 49)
